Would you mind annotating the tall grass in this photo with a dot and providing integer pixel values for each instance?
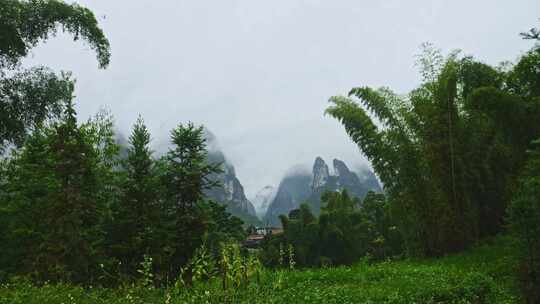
(482, 275)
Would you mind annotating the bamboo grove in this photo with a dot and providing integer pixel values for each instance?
(449, 152)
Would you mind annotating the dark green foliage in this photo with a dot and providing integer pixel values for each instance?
(71, 210)
(449, 152)
(185, 175)
(302, 231)
(54, 204)
(524, 78)
(483, 275)
(30, 97)
(222, 227)
(346, 230)
(187, 172)
(23, 24)
(342, 233)
(133, 231)
(451, 155)
(524, 217)
(383, 237)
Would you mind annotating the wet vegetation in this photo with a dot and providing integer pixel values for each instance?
(85, 219)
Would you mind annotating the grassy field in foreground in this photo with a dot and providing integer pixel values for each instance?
(485, 274)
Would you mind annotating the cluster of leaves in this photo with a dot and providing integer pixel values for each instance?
(74, 210)
(450, 151)
(25, 23)
(346, 230)
(479, 276)
(30, 97)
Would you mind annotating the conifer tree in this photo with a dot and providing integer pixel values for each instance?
(137, 214)
(187, 173)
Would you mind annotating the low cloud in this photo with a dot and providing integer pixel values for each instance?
(258, 74)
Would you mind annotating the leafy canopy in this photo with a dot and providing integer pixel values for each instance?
(32, 96)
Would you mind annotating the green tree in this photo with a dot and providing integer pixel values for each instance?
(346, 230)
(343, 234)
(449, 151)
(186, 174)
(384, 239)
(132, 234)
(23, 24)
(29, 97)
(54, 203)
(524, 216)
(222, 227)
(301, 230)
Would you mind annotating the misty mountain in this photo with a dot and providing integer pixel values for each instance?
(293, 190)
(369, 179)
(304, 187)
(262, 200)
(230, 192)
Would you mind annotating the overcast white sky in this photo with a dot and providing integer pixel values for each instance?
(258, 74)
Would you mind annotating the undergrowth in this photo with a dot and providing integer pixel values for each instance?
(484, 274)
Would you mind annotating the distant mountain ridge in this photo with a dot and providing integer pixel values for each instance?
(301, 187)
(298, 186)
(293, 190)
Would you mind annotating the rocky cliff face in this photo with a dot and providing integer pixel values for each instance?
(231, 192)
(297, 188)
(321, 174)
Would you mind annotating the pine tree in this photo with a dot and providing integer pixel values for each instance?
(187, 173)
(137, 215)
